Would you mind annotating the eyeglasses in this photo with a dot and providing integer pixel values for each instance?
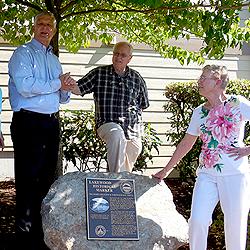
(122, 55)
(202, 78)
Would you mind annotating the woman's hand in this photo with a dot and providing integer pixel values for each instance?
(161, 174)
(238, 152)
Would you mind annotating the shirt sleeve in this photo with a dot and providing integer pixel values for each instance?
(21, 70)
(144, 102)
(194, 126)
(87, 83)
(244, 107)
(64, 96)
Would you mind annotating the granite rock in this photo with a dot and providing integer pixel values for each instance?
(64, 215)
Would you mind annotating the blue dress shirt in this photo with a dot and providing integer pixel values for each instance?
(34, 82)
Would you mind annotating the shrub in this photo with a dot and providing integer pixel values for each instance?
(150, 143)
(87, 152)
(182, 98)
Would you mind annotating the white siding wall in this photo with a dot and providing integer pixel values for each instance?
(156, 70)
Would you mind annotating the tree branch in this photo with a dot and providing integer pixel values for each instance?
(57, 4)
(64, 8)
(153, 10)
(28, 4)
(49, 5)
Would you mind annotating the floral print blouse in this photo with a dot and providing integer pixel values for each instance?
(221, 128)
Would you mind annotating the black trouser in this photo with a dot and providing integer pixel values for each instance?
(35, 139)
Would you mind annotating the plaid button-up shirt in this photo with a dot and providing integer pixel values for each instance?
(118, 99)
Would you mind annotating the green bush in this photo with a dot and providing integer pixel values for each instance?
(182, 98)
(150, 143)
(87, 152)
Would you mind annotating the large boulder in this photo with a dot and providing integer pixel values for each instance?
(64, 215)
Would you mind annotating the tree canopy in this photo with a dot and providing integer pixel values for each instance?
(154, 22)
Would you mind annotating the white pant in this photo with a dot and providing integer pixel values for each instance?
(121, 153)
(233, 192)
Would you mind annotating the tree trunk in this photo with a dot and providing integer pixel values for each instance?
(54, 44)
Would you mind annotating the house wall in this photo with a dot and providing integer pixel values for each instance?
(156, 70)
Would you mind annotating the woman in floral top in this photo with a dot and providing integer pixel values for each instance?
(224, 173)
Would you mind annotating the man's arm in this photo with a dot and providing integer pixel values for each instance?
(21, 70)
(86, 84)
(144, 102)
(75, 90)
(67, 84)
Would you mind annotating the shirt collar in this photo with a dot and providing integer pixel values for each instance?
(127, 71)
(40, 46)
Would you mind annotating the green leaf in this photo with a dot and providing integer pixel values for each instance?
(150, 3)
(153, 22)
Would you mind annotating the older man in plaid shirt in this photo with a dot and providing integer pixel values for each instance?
(120, 95)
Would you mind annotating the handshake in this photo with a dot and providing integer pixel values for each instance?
(67, 82)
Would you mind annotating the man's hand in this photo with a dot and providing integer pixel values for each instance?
(67, 82)
(76, 90)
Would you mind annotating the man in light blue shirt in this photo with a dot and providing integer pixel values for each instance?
(34, 82)
(36, 89)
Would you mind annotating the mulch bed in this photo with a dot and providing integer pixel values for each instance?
(182, 194)
(7, 215)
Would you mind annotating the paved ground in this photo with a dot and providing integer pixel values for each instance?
(6, 169)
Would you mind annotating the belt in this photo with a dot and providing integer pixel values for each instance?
(42, 115)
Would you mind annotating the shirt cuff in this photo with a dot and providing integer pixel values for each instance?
(64, 96)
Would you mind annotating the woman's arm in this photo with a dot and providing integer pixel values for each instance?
(182, 149)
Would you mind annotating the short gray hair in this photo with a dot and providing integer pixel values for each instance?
(124, 43)
(219, 72)
(45, 13)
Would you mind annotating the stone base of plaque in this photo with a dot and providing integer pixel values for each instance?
(65, 222)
